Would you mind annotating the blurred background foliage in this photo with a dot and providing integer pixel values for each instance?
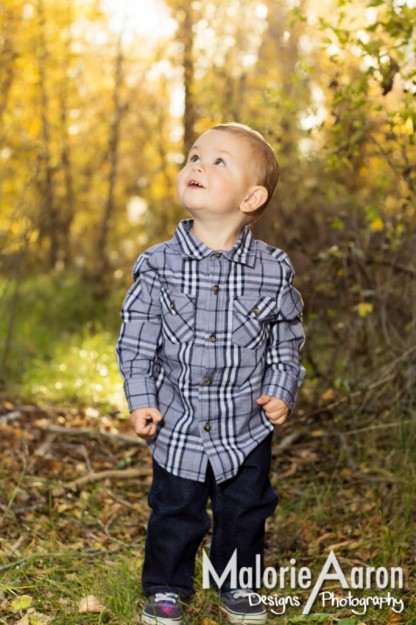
(99, 103)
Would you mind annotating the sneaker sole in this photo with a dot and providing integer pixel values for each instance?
(147, 619)
(245, 619)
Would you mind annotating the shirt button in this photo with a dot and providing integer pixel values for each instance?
(207, 427)
(218, 255)
(215, 288)
(172, 305)
(212, 338)
(256, 310)
(208, 382)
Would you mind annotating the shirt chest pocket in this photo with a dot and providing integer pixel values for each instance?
(178, 316)
(252, 317)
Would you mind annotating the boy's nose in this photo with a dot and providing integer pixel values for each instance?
(197, 166)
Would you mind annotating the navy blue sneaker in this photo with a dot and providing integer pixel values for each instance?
(239, 610)
(162, 608)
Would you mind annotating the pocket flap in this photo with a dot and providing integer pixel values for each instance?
(260, 308)
(177, 303)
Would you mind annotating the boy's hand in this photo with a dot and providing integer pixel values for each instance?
(145, 422)
(275, 409)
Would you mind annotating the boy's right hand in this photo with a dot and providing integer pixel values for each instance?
(145, 422)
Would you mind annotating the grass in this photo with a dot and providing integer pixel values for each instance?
(91, 543)
(63, 343)
(58, 584)
(81, 370)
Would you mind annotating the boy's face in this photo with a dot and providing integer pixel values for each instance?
(218, 175)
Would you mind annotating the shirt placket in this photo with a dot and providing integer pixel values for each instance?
(208, 426)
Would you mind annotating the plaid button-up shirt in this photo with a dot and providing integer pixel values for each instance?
(205, 333)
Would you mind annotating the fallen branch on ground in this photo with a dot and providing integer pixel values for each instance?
(110, 474)
(90, 433)
(11, 416)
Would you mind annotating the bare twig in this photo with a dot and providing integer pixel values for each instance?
(10, 416)
(90, 433)
(392, 164)
(385, 375)
(380, 426)
(120, 500)
(409, 271)
(289, 439)
(107, 526)
(110, 474)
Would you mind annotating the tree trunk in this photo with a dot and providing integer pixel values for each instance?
(103, 263)
(183, 13)
(66, 162)
(187, 38)
(48, 226)
(8, 55)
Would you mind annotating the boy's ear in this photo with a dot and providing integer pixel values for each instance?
(255, 197)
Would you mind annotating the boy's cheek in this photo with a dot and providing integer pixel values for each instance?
(180, 180)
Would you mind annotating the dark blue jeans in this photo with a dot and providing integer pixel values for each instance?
(179, 521)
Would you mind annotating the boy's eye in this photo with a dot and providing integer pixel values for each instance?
(219, 162)
(194, 158)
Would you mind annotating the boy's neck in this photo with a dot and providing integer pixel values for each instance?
(217, 236)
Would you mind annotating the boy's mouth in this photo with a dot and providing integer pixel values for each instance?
(195, 183)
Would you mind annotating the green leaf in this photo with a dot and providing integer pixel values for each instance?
(21, 603)
(337, 224)
(347, 621)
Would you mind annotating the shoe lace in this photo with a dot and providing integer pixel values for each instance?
(166, 596)
(241, 592)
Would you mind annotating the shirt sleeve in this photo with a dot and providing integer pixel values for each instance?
(139, 336)
(284, 373)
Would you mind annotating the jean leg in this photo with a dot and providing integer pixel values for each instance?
(240, 509)
(176, 526)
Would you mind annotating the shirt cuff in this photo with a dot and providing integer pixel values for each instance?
(283, 385)
(140, 394)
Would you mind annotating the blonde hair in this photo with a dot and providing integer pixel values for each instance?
(266, 163)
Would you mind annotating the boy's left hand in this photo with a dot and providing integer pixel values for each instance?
(275, 409)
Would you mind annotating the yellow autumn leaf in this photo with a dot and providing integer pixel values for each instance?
(376, 225)
(408, 126)
(364, 309)
(329, 395)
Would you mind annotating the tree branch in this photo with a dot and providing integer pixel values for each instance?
(90, 433)
(90, 478)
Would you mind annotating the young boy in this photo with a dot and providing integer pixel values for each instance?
(209, 353)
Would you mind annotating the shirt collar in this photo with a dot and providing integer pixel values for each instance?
(242, 251)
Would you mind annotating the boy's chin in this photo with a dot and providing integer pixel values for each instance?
(193, 211)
